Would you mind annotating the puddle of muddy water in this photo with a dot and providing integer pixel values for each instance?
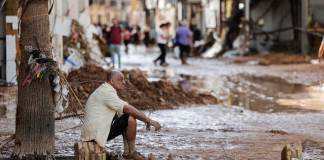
(262, 94)
(258, 93)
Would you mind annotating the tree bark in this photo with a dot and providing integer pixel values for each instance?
(35, 108)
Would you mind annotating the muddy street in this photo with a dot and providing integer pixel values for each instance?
(218, 132)
(254, 120)
(162, 79)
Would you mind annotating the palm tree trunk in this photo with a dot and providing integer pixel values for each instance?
(35, 108)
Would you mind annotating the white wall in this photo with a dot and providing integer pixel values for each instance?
(2, 45)
(11, 50)
(64, 9)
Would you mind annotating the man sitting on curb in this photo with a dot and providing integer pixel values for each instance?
(107, 116)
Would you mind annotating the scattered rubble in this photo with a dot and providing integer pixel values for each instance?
(277, 132)
(83, 45)
(139, 91)
(282, 58)
(77, 40)
(274, 58)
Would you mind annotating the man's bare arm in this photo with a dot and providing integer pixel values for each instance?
(141, 116)
(136, 113)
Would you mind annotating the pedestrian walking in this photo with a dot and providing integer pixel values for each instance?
(136, 35)
(127, 38)
(115, 41)
(147, 37)
(197, 40)
(184, 40)
(162, 39)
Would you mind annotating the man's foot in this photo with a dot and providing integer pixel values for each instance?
(126, 147)
(155, 61)
(164, 64)
(135, 156)
(184, 62)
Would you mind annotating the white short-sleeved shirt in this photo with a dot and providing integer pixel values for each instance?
(161, 37)
(100, 110)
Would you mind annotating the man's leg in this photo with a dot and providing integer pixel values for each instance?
(163, 54)
(126, 125)
(119, 56)
(126, 148)
(182, 50)
(131, 136)
(118, 127)
(112, 51)
(131, 129)
(186, 53)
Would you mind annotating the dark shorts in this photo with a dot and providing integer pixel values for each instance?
(184, 48)
(118, 126)
(126, 42)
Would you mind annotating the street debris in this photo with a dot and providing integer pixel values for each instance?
(60, 94)
(82, 46)
(39, 66)
(274, 59)
(215, 48)
(139, 91)
(277, 132)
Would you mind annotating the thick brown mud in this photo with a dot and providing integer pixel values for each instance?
(139, 92)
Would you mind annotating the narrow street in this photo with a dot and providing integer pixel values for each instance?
(161, 80)
(234, 129)
(240, 129)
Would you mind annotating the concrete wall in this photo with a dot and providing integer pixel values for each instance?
(317, 9)
(2, 46)
(63, 10)
(278, 17)
(12, 49)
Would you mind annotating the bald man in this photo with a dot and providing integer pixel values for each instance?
(107, 116)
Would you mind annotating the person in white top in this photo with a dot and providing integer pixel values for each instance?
(163, 38)
(107, 116)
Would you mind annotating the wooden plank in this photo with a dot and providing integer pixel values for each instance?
(89, 151)
(292, 152)
(76, 151)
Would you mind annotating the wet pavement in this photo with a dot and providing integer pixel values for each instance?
(255, 119)
(217, 132)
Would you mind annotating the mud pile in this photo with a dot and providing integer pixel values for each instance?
(283, 58)
(139, 91)
(274, 58)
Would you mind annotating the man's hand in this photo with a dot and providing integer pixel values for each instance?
(141, 116)
(153, 123)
